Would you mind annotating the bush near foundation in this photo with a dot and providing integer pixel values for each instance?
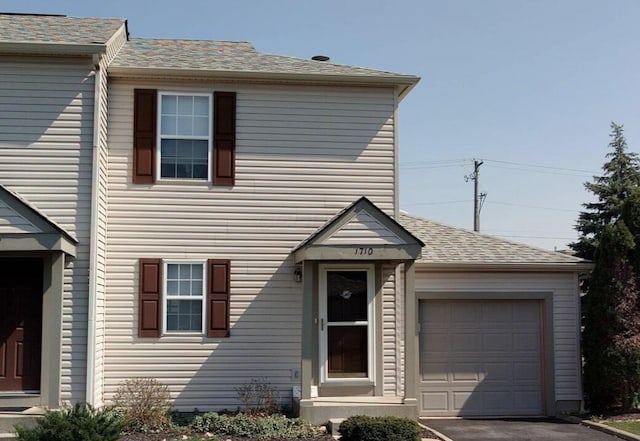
(144, 404)
(80, 422)
(254, 427)
(365, 428)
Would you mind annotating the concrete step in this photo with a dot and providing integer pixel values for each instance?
(9, 418)
(334, 426)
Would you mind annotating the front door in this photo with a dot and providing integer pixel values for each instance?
(20, 324)
(346, 327)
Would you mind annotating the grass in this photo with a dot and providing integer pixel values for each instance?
(627, 426)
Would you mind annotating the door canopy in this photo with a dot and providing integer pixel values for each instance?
(25, 228)
(360, 232)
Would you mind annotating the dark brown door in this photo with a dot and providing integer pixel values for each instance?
(20, 323)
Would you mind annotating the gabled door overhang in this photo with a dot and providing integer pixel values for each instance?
(25, 228)
(360, 232)
(342, 266)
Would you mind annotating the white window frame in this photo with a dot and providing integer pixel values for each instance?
(160, 137)
(324, 325)
(166, 297)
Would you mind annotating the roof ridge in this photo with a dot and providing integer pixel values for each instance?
(190, 39)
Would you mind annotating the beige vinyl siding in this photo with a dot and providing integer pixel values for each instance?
(362, 229)
(46, 124)
(566, 308)
(303, 154)
(389, 337)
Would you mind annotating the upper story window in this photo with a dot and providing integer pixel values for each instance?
(185, 136)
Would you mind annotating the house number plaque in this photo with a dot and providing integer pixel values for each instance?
(364, 251)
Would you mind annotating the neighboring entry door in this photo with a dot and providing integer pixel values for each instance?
(20, 324)
(346, 327)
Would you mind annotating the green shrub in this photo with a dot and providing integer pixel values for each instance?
(257, 427)
(81, 422)
(365, 428)
(144, 404)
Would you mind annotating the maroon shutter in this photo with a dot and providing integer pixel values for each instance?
(150, 297)
(218, 294)
(144, 135)
(224, 138)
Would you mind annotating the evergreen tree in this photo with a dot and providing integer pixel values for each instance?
(620, 181)
(610, 236)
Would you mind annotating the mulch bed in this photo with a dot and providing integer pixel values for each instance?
(179, 437)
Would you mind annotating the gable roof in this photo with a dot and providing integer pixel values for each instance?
(452, 247)
(236, 59)
(57, 28)
(358, 227)
(28, 222)
(39, 33)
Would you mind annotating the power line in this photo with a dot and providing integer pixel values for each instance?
(520, 166)
(535, 237)
(549, 172)
(511, 204)
(542, 166)
(435, 203)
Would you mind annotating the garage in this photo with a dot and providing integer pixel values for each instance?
(481, 357)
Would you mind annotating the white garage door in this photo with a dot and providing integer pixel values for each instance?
(480, 357)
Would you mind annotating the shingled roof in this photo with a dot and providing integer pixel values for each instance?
(237, 59)
(34, 28)
(448, 246)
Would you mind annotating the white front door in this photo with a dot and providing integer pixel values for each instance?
(346, 324)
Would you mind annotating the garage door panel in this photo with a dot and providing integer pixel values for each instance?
(435, 402)
(526, 342)
(465, 342)
(524, 372)
(465, 315)
(490, 367)
(497, 342)
(431, 372)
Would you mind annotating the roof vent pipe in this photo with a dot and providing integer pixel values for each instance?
(320, 58)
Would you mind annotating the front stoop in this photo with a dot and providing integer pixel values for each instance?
(9, 418)
(321, 410)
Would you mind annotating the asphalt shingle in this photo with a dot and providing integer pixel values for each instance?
(229, 56)
(57, 29)
(452, 245)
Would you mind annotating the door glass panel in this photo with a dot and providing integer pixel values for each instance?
(347, 296)
(347, 351)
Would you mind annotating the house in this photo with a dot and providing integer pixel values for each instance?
(205, 214)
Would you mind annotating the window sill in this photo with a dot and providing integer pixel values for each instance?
(347, 382)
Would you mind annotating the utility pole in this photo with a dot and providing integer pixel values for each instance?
(478, 198)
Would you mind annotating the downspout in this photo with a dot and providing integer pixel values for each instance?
(399, 287)
(93, 240)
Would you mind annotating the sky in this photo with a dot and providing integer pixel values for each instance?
(528, 87)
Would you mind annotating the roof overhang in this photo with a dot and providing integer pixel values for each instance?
(504, 267)
(34, 231)
(51, 48)
(403, 82)
(360, 232)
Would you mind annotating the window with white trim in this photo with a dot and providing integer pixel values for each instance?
(185, 135)
(185, 297)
